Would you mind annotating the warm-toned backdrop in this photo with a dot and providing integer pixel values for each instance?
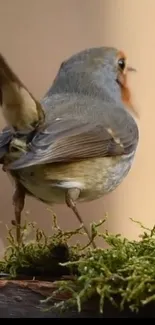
(35, 36)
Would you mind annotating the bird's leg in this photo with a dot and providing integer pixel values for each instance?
(71, 197)
(18, 202)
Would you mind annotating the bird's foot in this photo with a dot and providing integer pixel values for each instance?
(71, 197)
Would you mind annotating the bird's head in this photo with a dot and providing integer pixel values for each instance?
(97, 71)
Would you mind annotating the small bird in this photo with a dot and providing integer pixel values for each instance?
(86, 141)
(23, 114)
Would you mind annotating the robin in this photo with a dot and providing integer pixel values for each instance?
(85, 145)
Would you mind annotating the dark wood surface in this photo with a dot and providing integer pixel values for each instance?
(21, 299)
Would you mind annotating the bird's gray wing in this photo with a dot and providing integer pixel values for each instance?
(71, 137)
(5, 139)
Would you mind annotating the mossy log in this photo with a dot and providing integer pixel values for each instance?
(48, 272)
(22, 299)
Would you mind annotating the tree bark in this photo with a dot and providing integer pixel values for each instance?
(22, 299)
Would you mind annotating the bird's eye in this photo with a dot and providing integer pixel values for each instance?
(122, 64)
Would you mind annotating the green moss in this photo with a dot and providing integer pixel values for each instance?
(126, 269)
(124, 273)
(41, 256)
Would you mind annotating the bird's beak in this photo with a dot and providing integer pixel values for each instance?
(129, 68)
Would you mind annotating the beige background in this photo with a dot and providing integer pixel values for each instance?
(35, 36)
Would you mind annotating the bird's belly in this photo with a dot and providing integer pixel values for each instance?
(94, 177)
